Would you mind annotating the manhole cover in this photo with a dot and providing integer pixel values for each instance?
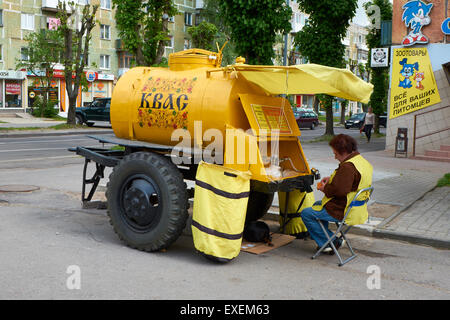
(18, 188)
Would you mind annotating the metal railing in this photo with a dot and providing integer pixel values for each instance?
(428, 134)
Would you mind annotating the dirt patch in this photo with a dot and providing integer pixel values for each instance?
(379, 210)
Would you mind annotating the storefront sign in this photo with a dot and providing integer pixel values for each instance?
(445, 27)
(413, 86)
(379, 57)
(103, 76)
(91, 76)
(13, 88)
(416, 15)
(12, 74)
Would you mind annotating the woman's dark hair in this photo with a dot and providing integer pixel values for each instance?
(343, 143)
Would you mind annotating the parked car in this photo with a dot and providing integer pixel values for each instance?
(306, 119)
(357, 120)
(98, 110)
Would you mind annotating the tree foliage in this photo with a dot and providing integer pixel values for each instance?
(380, 75)
(76, 30)
(44, 50)
(203, 35)
(143, 28)
(320, 39)
(254, 25)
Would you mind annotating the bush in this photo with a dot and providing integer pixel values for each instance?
(48, 111)
(444, 181)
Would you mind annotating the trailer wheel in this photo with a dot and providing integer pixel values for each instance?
(258, 205)
(147, 201)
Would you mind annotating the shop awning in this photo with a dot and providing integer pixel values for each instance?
(307, 79)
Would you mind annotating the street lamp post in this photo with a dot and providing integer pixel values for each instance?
(285, 43)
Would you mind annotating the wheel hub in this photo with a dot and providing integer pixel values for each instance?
(141, 202)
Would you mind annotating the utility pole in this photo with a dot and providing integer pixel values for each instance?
(285, 43)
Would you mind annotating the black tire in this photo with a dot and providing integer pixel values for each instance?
(312, 125)
(258, 205)
(147, 201)
(79, 120)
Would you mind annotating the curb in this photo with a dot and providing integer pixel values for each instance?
(54, 133)
(411, 238)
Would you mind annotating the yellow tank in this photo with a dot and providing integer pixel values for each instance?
(148, 104)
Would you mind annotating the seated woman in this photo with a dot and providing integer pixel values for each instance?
(354, 173)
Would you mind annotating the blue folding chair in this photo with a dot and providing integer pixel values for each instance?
(343, 228)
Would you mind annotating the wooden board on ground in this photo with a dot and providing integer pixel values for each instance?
(278, 240)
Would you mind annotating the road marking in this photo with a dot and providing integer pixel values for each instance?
(35, 159)
(29, 141)
(43, 149)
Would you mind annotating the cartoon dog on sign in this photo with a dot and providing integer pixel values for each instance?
(407, 72)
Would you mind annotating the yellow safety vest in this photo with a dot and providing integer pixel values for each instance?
(294, 223)
(358, 214)
(220, 205)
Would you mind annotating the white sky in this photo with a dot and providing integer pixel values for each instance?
(361, 17)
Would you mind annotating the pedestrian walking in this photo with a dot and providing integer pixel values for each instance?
(368, 123)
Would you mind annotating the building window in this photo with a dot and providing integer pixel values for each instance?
(187, 44)
(1, 53)
(83, 2)
(24, 54)
(188, 18)
(105, 4)
(104, 32)
(27, 21)
(125, 61)
(86, 61)
(104, 62)
(1, 18)
(169, 43)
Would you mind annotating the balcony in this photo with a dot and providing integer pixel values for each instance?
(119, 45)
(52, 5)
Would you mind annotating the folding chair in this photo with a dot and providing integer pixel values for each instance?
(343, 228)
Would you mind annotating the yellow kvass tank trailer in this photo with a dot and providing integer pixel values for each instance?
(147, 197)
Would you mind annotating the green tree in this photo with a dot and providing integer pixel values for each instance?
(76, 31)
(44, 50)
(212, 13)
(320, 39)
(380, 75)
(254, 25)
(203, 35)
(143, 28)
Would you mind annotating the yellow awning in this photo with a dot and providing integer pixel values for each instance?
(307, 79)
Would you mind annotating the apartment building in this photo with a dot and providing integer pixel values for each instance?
(21, 17)
(356, 53)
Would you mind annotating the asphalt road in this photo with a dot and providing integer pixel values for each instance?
(51, 248)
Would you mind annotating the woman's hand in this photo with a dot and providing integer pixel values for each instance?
(322, 183)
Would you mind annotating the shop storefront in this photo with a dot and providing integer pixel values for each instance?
(100, 86)
(12, 90)
(37, 88)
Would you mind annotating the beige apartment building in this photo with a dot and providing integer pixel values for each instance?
(107, 58)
